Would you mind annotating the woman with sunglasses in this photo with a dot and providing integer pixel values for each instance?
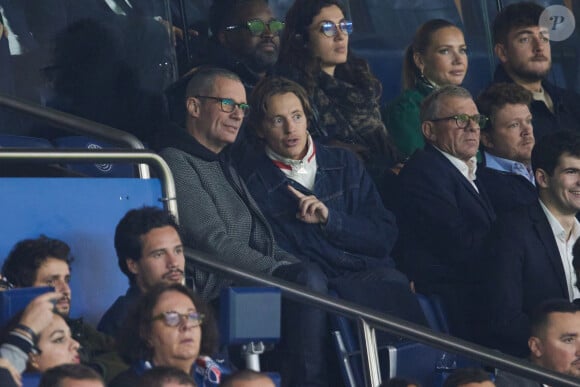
(436, 57)
(344, 94)
(170, 326)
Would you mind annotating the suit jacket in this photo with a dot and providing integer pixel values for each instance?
(444, 223)
(507, 191)
(526, 270)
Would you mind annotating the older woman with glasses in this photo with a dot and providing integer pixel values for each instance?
(170, 326)
(344, 94)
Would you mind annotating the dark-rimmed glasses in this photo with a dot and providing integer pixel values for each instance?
(462, 120)
(330, 29)
(227, 105)
(257, 27)
(173, 319)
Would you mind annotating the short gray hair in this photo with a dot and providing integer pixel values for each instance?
(432, 104)
(204, 77)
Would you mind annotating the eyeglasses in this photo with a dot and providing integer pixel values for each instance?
(227, 105)
(462, 120)
(173, 319)
(330, 29)
(257, 27)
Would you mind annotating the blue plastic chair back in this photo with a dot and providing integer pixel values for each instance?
(96, 170)
(83, 212)
(13, 301)
(250, 314)
(13, 141)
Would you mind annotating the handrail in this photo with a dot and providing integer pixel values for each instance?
(385, 322)
(78, 125)
(101, 155)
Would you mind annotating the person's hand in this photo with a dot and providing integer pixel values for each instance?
(177, 32)
(310, 209)
(1, 30)
(38, 314)
(15, 374)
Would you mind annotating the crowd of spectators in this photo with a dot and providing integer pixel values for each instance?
(286, 165)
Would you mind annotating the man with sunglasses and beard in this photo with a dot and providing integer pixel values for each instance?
(46, 262)
(149, 251)
(524, 52)
(246, 38)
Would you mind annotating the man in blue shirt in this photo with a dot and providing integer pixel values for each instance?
(507, 141)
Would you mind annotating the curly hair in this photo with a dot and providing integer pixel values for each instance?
(294, 53)
(133, 339)
(28, 255)
(496, 96)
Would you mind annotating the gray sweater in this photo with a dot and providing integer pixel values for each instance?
(217, 214)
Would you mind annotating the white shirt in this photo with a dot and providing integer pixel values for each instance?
(14, 44)
(467, 168)
(565, 245)
(302, 171)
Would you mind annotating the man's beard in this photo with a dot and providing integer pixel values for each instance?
(261, 61)
(531, 75)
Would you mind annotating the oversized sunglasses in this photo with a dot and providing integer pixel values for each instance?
(257, 27)
(173, 319)
(331, 29)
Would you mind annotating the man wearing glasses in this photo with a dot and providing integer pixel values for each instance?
(444, 213)
(531, 258)
(246, 38)
(218, 215)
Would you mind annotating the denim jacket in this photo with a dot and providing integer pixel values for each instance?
(360, 232)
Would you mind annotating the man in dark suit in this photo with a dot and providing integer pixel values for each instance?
(507, 141)
(554, 343)
(531, 247)
(444, 214)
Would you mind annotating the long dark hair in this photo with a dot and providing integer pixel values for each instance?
(295, 54)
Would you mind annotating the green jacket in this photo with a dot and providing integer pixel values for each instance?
(401, 117)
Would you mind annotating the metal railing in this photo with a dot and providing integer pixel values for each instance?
(100, 155)
(78, 125)
(383, 321)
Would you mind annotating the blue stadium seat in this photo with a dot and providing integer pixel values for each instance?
(14, 141)
(250, 316)
(13, 301)
(405, 358)
(83, 212)
(95, 170)
(30, 379)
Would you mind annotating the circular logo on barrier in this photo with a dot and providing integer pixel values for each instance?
(101, 167)
(559, 21)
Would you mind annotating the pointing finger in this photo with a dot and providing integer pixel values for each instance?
(296, 193)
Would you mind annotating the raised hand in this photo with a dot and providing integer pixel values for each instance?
(310, 209)
(39, 312)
